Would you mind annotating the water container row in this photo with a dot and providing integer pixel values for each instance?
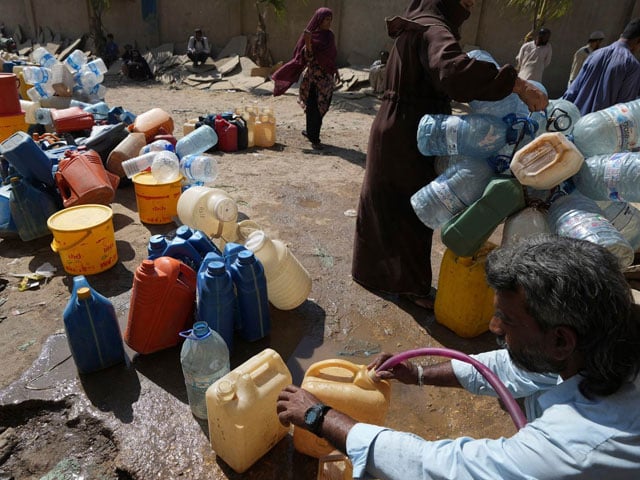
(232, 294)
(238, 404)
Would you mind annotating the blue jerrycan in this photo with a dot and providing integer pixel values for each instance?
(251, 291)
(216, 300)
(92, 328)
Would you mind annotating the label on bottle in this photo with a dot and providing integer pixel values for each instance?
(452, 125)
(448, 198)
(612, 170)
(582, 225)
(626, 126)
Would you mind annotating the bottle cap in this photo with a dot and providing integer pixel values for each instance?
(84, 293)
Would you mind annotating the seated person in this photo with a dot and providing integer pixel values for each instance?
(134, 66)
(198, 48)
(111, 51)
(376, 72)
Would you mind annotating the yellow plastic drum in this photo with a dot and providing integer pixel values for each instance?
(84, 238)
(464, 301)
(157, 202)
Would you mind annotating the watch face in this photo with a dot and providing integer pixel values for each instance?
(311, 416)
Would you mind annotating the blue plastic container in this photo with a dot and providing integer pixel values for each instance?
(8, 227)
(200, 241)
(30, 209)
(92, 329)
(216, 300)
(182, 250)
(156, 246)
(28, 159)
(231, 251)
(251, 291)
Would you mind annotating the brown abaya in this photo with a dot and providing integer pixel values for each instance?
(426, 69)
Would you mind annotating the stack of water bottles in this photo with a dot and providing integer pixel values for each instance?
(41, 77)
(88, 76)
(576, 173)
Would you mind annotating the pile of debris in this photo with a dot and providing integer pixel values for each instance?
(230, 70)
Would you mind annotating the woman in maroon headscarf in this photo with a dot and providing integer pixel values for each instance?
(426, 69)
(315, 54)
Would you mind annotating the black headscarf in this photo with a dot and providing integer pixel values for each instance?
(421, 13)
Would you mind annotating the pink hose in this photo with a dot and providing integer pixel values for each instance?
(510, 404)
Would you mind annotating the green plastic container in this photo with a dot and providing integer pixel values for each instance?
(467, 232)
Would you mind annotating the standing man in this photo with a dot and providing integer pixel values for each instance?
(594, 43)
(571, 335)
(534, 56)
(198, 48)
(609, 75)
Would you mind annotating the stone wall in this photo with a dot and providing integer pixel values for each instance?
(358, 24)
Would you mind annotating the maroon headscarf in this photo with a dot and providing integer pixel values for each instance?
(421, 13)
(324, 50)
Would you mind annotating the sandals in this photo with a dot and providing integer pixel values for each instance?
(426, 302)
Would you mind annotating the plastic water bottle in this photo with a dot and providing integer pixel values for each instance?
(138, 164)
(33, 75)
(40, 91)
(165, 167)
(610, 130)
(158, 146)
(474, 135)
(43, 116)
(88, 78)
(251, 289)
(96, 66)
(43, 57)
(196, 142)
(461, 184)
(510, 104)
(143, 162)
(562, 116)
(626, 218)
(577, 216)
(97, 93)
(99, 110)
(92, 329)
(610, 177)
(199, 169)
(204, 358)
(216, 300)
(75, 60)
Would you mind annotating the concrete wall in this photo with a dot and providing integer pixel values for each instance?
(358, 24)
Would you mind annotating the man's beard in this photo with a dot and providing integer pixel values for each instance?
(532, 359)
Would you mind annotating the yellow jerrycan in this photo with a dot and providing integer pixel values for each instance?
(347, 387)
(464, 301)
(241, 410)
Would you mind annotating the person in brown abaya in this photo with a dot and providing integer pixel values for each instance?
(425, 71)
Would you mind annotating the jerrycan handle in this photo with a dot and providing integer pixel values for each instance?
(360, 376)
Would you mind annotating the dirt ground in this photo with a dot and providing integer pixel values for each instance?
(304, 197)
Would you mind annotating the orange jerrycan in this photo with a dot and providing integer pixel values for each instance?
(347, 387)
(150, 123)
(162, 304)
(464, 301)
(241, 410)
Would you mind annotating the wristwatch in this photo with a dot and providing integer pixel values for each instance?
(314, 416)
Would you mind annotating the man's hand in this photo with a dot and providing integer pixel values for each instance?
(293, 403)
(534, 98)
(405, 372)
